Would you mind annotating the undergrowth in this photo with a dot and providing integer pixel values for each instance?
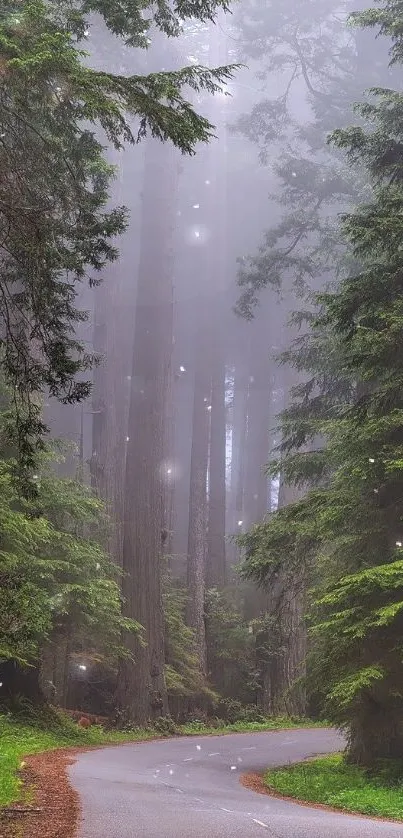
(330, 780)
(19, 738)
(218, 726)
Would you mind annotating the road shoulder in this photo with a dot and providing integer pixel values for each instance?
(50, 806)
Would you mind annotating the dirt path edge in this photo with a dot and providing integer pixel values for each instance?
(51, 807)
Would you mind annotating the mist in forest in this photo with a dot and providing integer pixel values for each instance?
(194, 326)
(222, 248)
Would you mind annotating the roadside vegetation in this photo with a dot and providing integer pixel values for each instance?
(112, 602)
(20, 737)
(332, 781)
(274, 723)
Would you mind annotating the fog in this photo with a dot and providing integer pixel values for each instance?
(221, 248)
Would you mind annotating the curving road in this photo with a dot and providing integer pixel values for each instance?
(189, 788)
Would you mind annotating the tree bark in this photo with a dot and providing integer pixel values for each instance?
(218, 274)
(113, 341)
(238, 445)
(375, 733)
(169, 468)
(182, 443)
(257, 439)
(216, 565)
(197, 538)
(283, 645)
(141, 693)
(213, 272)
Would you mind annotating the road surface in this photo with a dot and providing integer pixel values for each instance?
(189, 788)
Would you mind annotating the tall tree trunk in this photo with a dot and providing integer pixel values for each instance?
(261, 410)
(113, 341)
(290, 695)
(238, 444)
(183, 403)
(281, 646)
(141, 693)
(169, 444)
(216, 566)
(197, 538)
(257, 440)
(212, 272)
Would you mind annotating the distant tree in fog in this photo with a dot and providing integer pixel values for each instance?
(319, 68)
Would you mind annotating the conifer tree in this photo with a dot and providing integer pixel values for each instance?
(347, 530)
(56, 231)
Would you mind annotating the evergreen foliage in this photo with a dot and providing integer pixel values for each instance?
(54, 575)
(56, 230)
(327, 65)
(182, 672)
(231, 682)
(230, 649)
(347, 530)
(231, 666)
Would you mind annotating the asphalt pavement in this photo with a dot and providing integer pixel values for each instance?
(189, 788)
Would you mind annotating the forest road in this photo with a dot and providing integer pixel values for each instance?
(189, 788)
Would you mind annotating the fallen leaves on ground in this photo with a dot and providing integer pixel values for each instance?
(51, 808)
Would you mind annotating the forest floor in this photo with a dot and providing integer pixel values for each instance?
(34, 756)
(330, 781)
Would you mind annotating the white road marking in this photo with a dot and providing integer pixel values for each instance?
(260, 823)
(233, 767)
(188, 759)
(198, 747)
(226, 810)
(180, 791)
(215, 754)
(252, 748)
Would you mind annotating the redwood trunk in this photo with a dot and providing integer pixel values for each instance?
(216, 567)
(283, 647)
(141, 691)
(239, 430)
(197, 538)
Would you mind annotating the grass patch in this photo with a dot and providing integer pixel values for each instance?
(331, 781)
(19, 738)
(277, 723)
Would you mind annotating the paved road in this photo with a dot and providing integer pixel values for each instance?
(189, 788)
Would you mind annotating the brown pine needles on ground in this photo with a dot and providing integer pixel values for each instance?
(53, 808)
